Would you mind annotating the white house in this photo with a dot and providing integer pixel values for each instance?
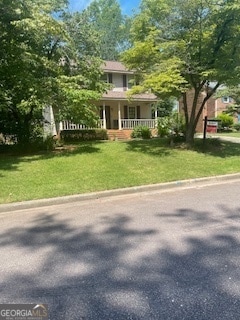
(116, 111)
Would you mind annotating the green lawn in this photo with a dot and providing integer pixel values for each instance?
(229, 134)
(108, 165)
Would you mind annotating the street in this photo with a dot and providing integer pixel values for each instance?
(162, 255)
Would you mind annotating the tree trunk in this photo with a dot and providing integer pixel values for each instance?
(192, 111)
(190, 131)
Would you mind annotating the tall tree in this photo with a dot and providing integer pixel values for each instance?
(112, 26)
(40, 65)
(29, 38)
(85, 72)
(184, 45)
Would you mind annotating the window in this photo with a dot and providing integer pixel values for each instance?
(124, 82)
(226, 99)
(110, 80)
(131, 82)
(132, 113)
(107, 77)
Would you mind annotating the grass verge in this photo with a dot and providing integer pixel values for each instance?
(95, 166)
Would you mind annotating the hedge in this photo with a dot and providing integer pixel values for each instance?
(83, 135)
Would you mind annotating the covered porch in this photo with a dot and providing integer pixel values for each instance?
(124, 115)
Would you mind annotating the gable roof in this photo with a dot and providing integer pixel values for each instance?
(115, 66)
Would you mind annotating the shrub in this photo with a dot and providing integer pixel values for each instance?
(236, 126)
(142, 132)
(226, 121)
(83, 135)
(173, 125)
(164, 127)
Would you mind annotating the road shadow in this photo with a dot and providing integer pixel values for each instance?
(109, 270)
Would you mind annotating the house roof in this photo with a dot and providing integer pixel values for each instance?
(115, 66)
(122, 95)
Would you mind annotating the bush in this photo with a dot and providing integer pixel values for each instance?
(142, 132)
(83, 135)
(173, 125)
(226, 121)
(236, 126)
(164, 127)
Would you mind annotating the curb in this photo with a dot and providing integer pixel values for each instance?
(190, 183)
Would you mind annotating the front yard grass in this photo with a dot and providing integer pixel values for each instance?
(95, 166)
(228, 134)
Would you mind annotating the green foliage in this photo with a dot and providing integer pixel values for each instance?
(164, 126)
(232, 110)
(226, 121)
(29, 55)
(142, 132)
(110, 25)
(172, 125)
(234, 93)
(164, 107)
(182, 45)
(236, 126)
(40, 65)
(83, 135)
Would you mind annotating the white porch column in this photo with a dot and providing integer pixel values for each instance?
(119, 117)
(156, 117)
(60, 126)
(104, 116)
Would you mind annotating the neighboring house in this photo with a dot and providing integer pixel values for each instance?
(116, 110)
(213, 107)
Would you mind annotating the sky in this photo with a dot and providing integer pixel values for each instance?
(128, 6)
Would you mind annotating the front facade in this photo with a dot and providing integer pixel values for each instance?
(118, 111)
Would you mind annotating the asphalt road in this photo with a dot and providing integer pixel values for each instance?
(158, 255)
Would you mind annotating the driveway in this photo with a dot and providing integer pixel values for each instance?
(171, 255)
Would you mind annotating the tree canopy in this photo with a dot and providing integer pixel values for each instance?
(40, 64)
(112, 26)
(184, 45)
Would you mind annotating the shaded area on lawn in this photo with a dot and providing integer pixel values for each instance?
(154, 147)
(161, 147)
(13, 157)
(217, 147)
(108, 273)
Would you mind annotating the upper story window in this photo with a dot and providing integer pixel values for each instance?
(107, 77)
(124, 82)
(226, 99)
(128, 81)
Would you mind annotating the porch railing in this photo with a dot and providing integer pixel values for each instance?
(67, 125)
(132, 123)
(125, 124)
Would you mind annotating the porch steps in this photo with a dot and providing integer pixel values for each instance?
(119, 134)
